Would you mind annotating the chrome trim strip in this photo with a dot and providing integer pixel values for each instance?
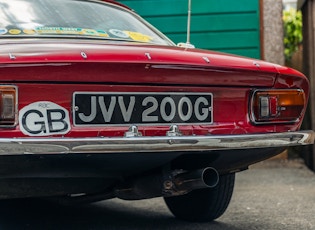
(21, 146)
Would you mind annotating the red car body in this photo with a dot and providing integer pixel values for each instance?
(204, 116)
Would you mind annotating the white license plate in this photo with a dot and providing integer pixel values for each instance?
(100, 108)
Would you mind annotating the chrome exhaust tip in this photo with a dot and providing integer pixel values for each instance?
(210, 177)
(202, 178)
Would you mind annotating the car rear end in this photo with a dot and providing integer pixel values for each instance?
(146, 103)
(90, 113)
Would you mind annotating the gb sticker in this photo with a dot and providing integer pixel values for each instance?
(44, 118)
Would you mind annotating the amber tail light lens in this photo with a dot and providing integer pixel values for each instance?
(274, 106)
(8, 105)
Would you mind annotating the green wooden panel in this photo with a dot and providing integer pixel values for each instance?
(224, 40)
(223, 25)
(215, 23)
(177, 7)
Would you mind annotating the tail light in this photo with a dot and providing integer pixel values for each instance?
(277, 106)
(8, 106)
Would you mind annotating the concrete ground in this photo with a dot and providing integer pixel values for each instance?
(276, 194)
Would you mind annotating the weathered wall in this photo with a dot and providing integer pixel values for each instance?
(308, 11)
(273, 31)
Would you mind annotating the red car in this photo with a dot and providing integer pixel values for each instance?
(96, 104)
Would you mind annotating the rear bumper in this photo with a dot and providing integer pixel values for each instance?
(21, 146)
(60, 166)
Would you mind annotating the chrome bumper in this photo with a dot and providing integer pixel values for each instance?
(19, 146)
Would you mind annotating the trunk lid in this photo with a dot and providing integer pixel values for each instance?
(100, 62)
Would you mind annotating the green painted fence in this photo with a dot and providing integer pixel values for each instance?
(223, 25)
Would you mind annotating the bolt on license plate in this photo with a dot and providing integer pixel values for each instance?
(116, 108)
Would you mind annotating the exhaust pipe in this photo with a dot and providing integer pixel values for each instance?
(175, 183)
(202, 178)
